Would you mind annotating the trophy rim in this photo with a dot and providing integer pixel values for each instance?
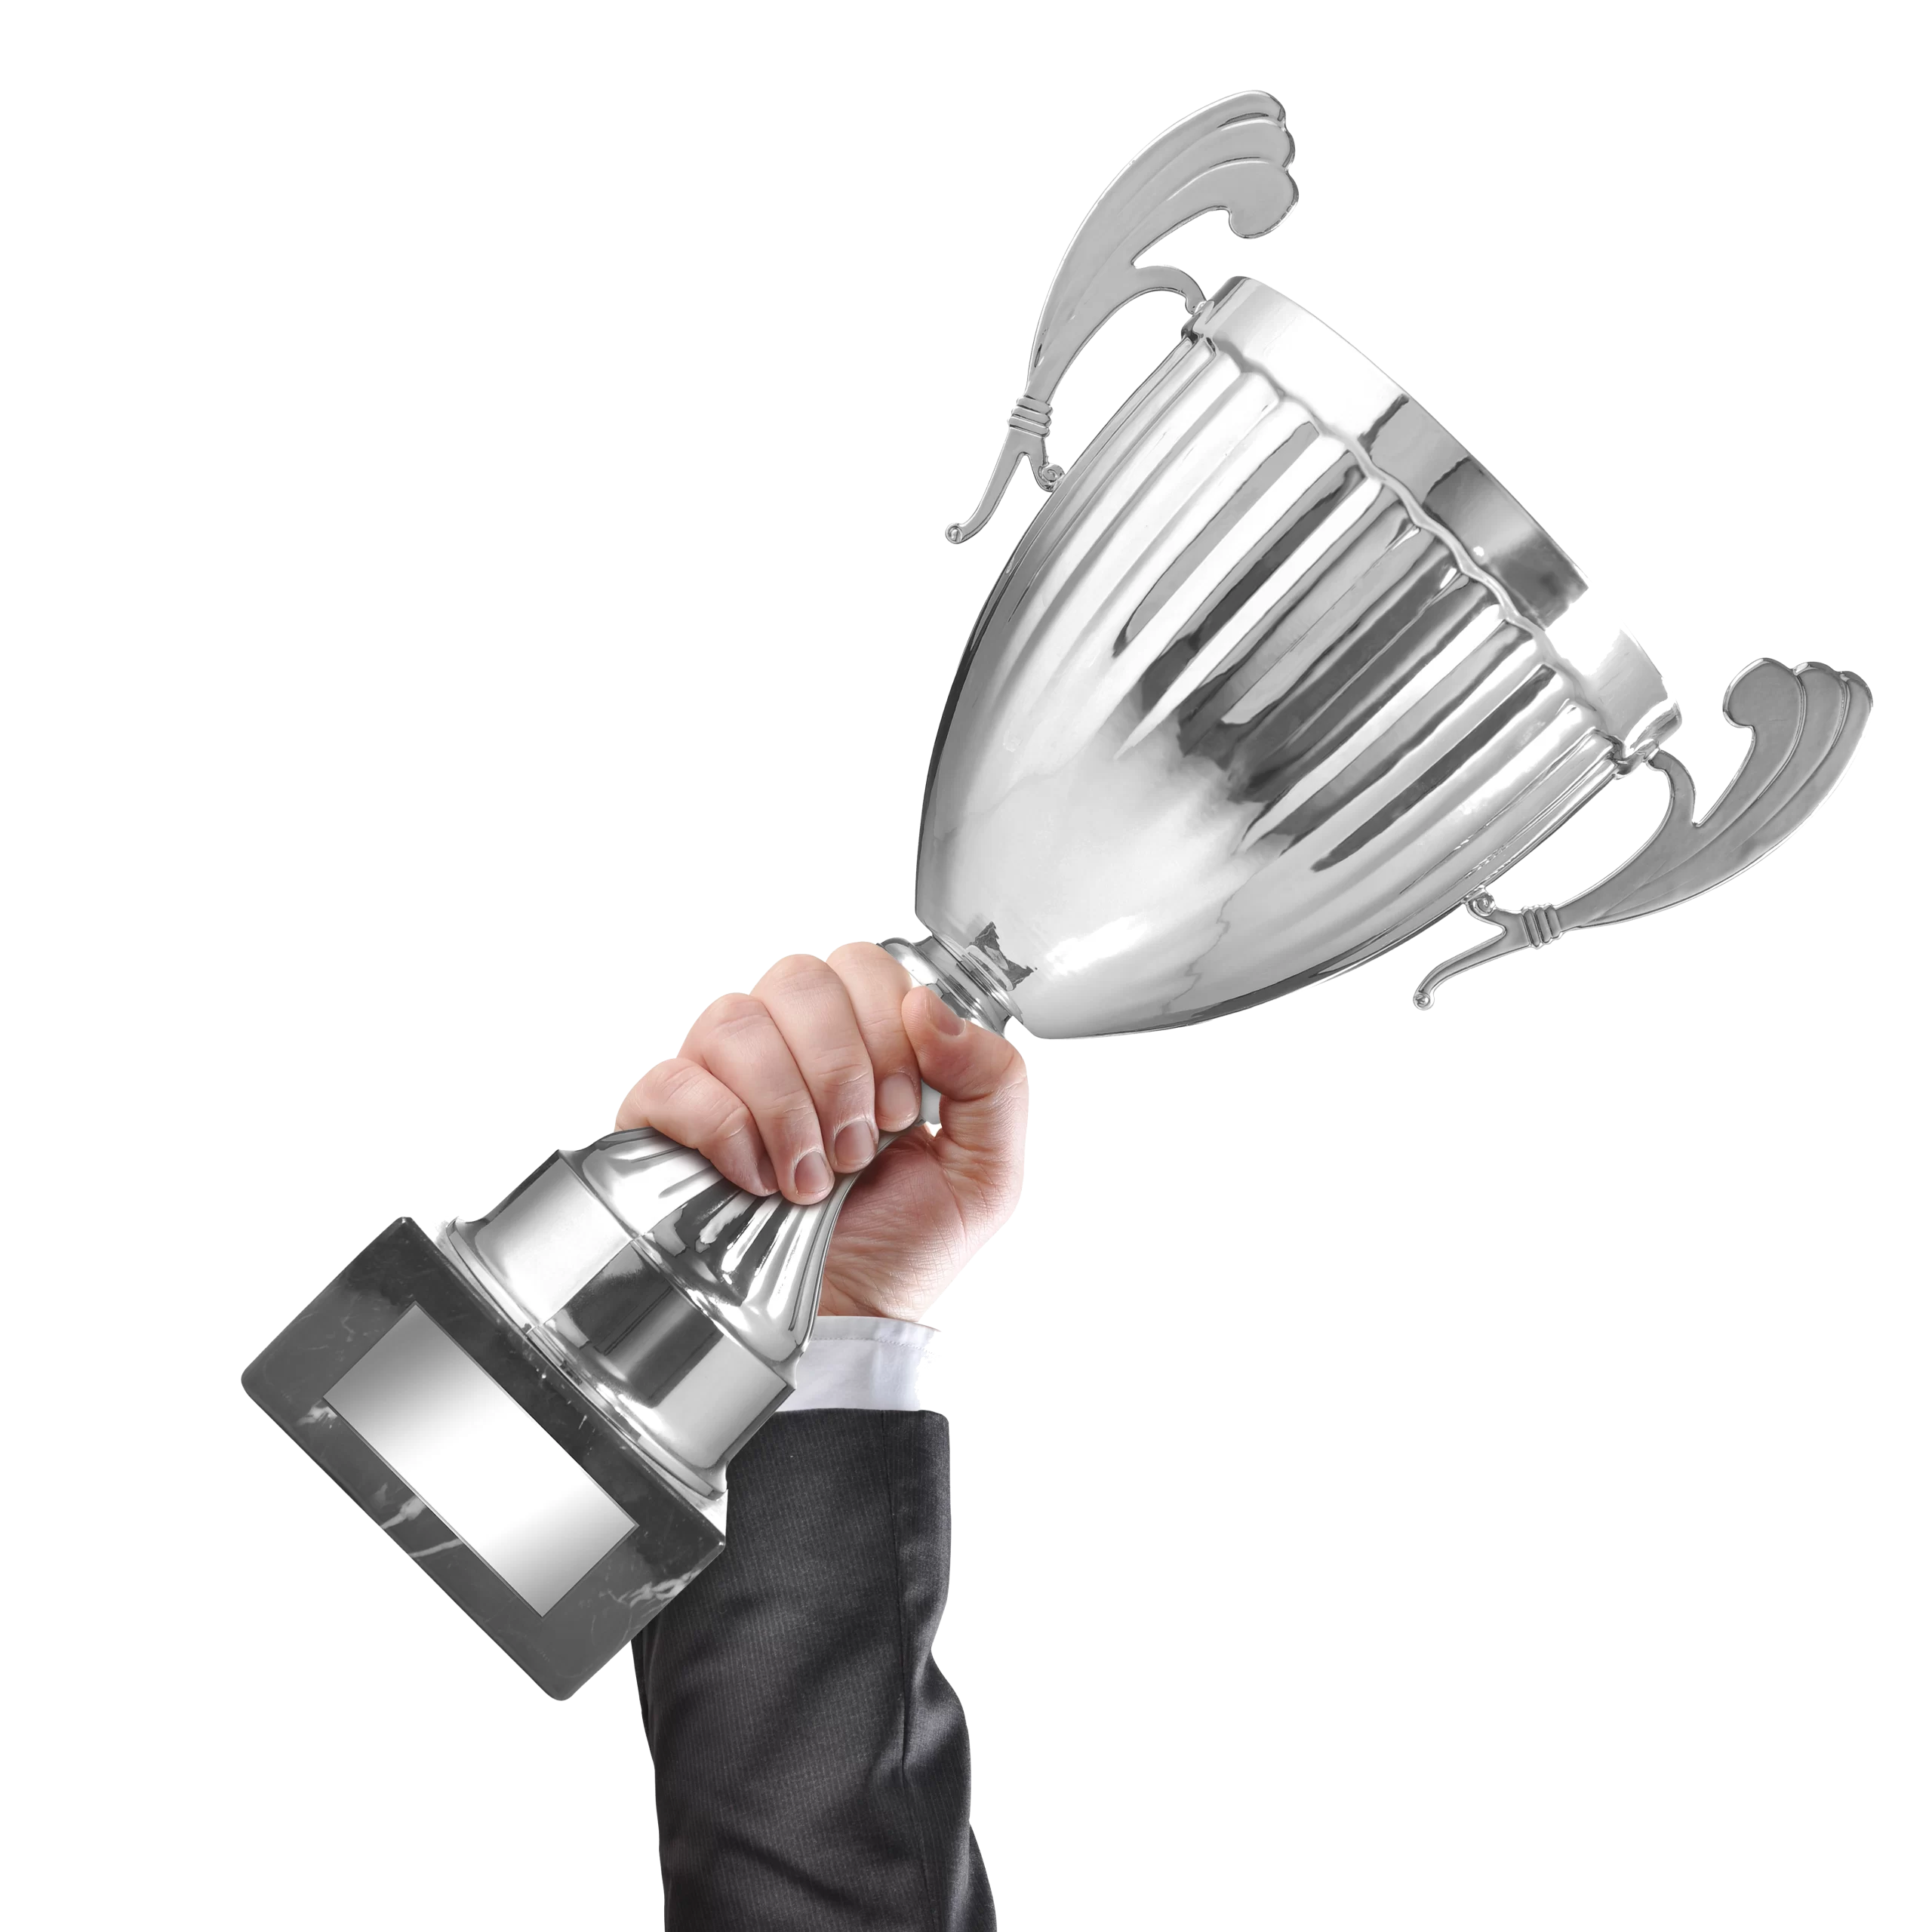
(1449, 489)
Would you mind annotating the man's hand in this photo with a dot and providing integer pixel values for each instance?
(781, 1087)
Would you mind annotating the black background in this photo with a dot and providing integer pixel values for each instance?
(1380, 1437)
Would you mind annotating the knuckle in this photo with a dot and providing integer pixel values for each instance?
(872, 972)
(797, 972)
(999, 1102)
(862, 957)
(844, 1073)
(1012, 1065)
(735, 1013)
(673, 1080)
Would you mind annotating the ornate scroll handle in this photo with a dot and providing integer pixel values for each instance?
(1233, 156)
(1804, 725)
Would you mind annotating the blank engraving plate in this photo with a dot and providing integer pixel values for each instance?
(487, 1468)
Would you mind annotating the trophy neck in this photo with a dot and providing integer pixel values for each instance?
(975, 980)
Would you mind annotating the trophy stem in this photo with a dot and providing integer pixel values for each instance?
(976, 980)
(974, 983)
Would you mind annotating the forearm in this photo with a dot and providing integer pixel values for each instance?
(811, 1761)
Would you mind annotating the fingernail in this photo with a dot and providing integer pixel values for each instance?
(854, 1145)
(943, 1017)
(768, 1175)
(898, 1100)
(811, 1177)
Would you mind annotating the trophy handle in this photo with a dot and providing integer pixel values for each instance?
(1803, 726)
(1234, 156)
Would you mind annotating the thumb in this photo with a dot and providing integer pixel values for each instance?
(982, 1084)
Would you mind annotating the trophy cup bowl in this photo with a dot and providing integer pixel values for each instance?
(1278, 675)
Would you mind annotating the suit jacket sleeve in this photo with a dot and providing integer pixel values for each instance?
(811, 1761)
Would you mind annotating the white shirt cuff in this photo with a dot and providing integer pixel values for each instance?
(864, 1362)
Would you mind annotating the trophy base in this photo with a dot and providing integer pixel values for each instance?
(495, 1476)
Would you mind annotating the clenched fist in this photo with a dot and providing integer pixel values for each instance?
(783, 1086)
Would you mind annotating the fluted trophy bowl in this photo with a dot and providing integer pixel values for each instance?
(1279, 675)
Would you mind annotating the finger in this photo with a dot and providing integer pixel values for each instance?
(982, 1082)
(736, 1039)
(813, 1011)
(875, 983)
(681, 1099)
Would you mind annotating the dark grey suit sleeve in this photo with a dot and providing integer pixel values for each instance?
(812, 1772)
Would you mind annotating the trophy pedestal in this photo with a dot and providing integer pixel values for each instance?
(495, 1476)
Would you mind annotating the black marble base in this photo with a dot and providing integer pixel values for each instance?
(596, 1617)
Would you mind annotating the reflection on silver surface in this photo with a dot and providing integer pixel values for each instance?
(1279, 675)
(550, 1237)
(457, 1441)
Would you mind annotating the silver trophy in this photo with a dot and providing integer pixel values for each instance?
(1279, 675)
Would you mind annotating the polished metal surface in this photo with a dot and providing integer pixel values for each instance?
(1233, 156)
(1804, 725)
(1279, 675)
